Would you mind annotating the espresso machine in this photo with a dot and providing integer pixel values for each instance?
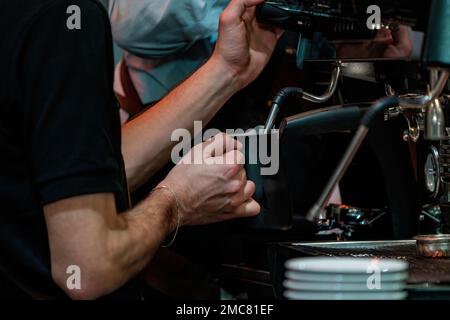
(407, 128)
(333, 38)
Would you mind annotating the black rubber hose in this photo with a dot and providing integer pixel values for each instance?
(286, 93)
(278, 101)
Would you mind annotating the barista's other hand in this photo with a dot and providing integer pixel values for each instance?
(216, 189)
(244, 46)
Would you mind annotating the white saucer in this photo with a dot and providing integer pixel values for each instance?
(343, 287)
(333, 278)
(310, 295)
(338, 265)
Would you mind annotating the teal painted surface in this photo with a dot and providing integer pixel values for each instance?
(437, 47)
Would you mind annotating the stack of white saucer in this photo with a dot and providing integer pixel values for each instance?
(331, 278)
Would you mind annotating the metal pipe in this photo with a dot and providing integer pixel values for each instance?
(435, 118)
(315, 213)
(423, 101)
(272, 117)
(434, 77)
(279, 99)
(439, 86)
(330, 91)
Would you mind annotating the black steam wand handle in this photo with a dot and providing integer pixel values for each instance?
(315, 213)
(278, 101)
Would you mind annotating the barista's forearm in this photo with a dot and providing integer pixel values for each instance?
(109, 248)
(140, 233)
(147, 144)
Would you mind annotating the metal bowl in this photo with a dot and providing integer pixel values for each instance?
(433, 246)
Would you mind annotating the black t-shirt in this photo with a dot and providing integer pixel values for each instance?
(59, 125)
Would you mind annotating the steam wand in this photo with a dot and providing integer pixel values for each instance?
(315, 213)
(278, 101)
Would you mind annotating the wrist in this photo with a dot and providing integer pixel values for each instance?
(173, 208)
(163, 201)
(227, 76)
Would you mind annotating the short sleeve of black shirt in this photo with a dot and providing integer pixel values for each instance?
(72, 128)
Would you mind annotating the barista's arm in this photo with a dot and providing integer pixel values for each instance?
(110, 248)
(242, 51)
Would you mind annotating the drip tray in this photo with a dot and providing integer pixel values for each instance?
(422, 270)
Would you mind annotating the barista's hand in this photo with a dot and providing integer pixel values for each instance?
(244, 46)
(216, 190)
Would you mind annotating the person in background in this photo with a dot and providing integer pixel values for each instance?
(164, 42)
(67, 166)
